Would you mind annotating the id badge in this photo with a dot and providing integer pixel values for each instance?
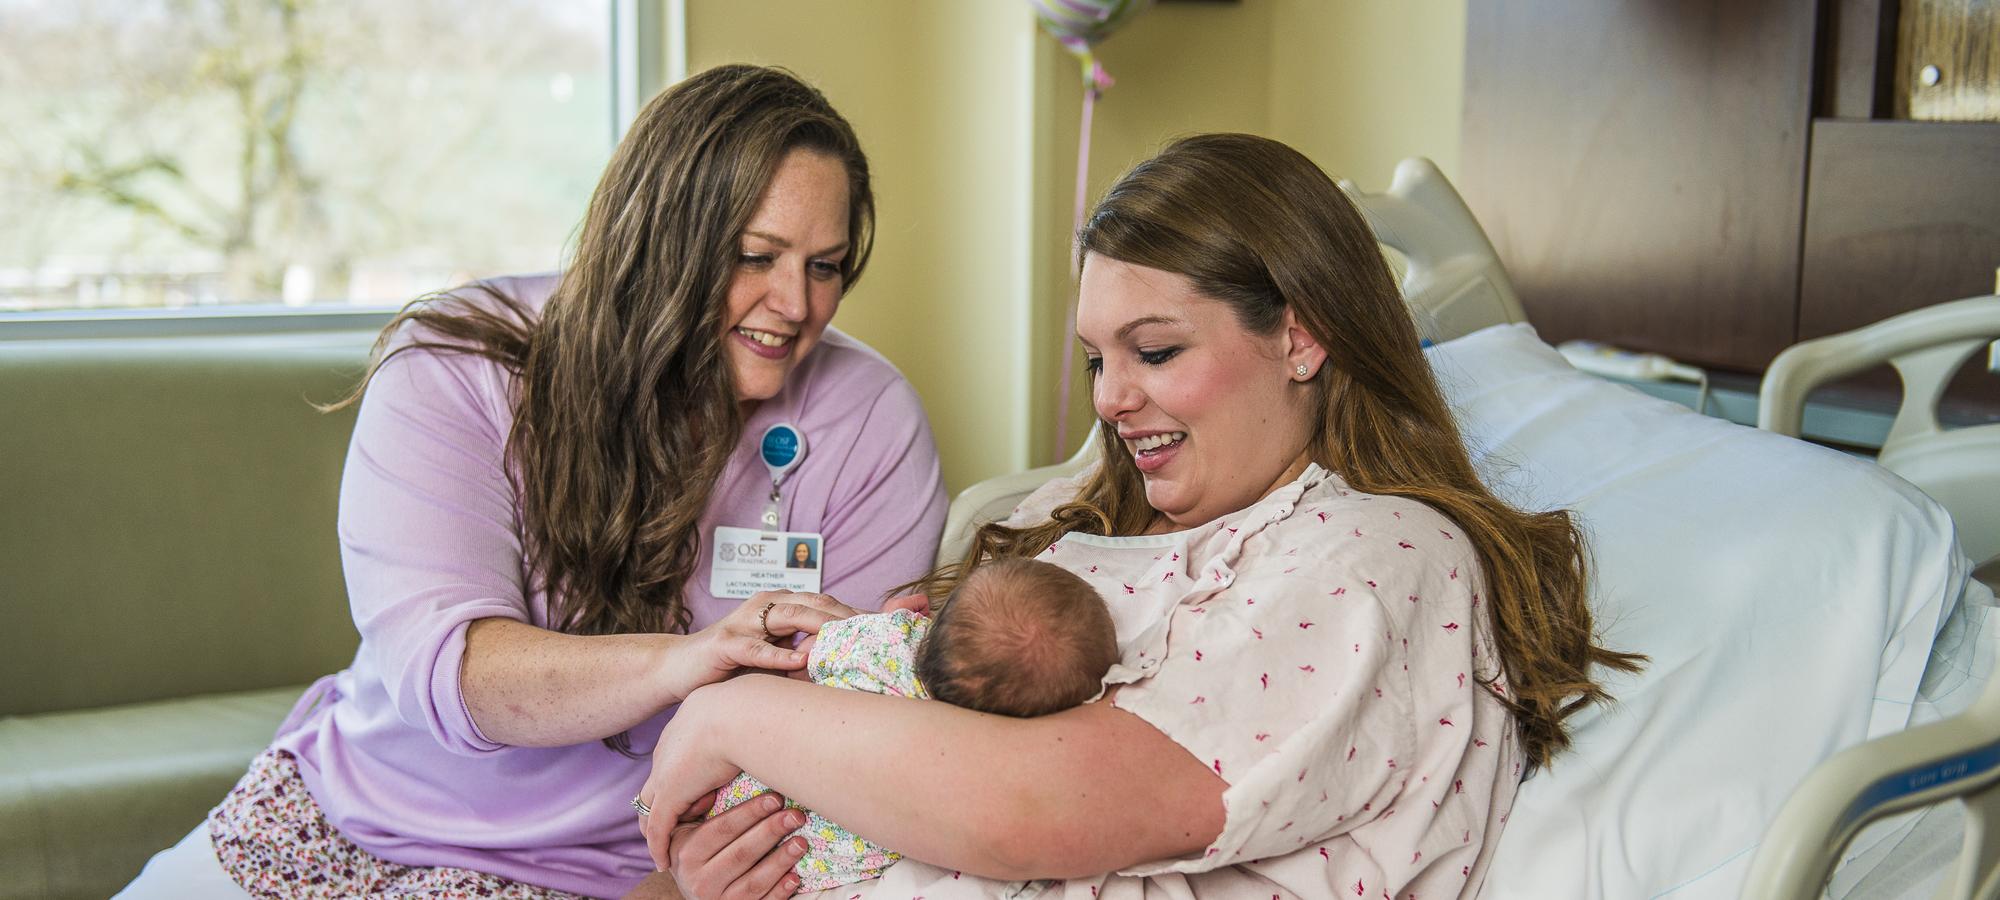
(748, 560)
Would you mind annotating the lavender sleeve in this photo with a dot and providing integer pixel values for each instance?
(887, 507)
(427, 532)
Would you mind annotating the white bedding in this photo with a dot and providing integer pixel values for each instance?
(1789, 597)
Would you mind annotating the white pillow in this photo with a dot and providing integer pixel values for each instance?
(1787, 594)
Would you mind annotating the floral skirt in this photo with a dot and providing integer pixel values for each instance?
(273, 840)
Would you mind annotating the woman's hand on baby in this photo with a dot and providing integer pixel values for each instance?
(743, 852)
(756, 635)
(916, 603)
(804, 646)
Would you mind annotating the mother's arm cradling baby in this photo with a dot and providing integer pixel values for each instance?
(1027, 798)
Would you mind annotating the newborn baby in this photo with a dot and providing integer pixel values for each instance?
(1016, 638)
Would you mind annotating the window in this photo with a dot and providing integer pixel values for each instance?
(206, 153)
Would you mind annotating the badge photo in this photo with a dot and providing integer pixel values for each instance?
(802, 552)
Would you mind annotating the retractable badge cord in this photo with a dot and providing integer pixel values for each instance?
(782, 446)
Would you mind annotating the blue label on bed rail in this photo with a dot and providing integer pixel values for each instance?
(1923, 778)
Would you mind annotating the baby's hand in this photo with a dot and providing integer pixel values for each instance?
(916, 603)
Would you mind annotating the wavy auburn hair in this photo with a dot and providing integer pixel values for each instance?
(626, 410)
(1256, 225)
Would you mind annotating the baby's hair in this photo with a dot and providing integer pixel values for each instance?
(1018, 638)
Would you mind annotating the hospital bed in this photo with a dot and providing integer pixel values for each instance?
(1819, 717)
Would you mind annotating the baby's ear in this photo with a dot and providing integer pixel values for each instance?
(916, 603)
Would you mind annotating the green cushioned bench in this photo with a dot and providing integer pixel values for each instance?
(170, 582)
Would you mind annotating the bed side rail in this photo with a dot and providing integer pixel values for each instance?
(1955, 759)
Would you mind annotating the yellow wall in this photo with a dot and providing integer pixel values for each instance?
(1356, 86)
(970, 117)
(1360, 85)
(1181, 68)
(938, 93)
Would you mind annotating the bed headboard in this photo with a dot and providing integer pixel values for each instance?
(1455, 283)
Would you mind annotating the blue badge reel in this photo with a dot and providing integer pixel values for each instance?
(782, 447)
(748, 560)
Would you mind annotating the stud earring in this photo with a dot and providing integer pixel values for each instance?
(1302, 370)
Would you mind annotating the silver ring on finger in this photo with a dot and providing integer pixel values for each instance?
(764, 619)
(641, 806)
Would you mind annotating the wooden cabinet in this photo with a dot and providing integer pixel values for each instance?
(1717, 179)
(1899, 215)
(1641, 166)
(1947, 64)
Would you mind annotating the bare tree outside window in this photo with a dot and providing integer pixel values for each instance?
(168, 153)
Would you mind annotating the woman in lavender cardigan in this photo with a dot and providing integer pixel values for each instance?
(527, 518)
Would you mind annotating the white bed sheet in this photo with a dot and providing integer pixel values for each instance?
(1787, 594)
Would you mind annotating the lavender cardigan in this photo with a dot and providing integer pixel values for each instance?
(429, 543)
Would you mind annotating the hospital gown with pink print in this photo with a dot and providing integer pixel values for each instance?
(1328, 653)
(874, 652)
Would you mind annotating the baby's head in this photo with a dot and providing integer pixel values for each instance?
(1018, 638)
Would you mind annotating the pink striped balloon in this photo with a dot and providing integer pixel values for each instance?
(1079, 25)
(1086, 21)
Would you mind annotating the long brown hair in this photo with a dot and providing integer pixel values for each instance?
(1254, 224)
(626, 415)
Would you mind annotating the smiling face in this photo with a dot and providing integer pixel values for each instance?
(787, 281)
(802, 552)
(1214, 416)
